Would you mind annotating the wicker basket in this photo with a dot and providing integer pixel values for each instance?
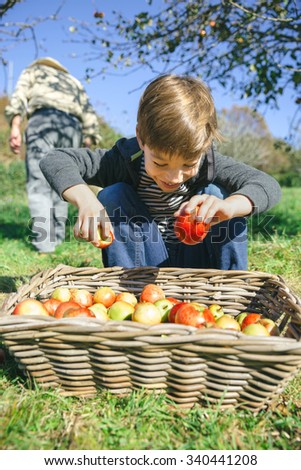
(208, 366)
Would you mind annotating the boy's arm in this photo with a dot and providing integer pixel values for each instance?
(241, 179)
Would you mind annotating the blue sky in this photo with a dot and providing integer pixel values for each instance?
(116, 96)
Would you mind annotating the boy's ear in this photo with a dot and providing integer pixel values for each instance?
(138, 138)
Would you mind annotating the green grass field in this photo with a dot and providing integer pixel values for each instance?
(37, 419)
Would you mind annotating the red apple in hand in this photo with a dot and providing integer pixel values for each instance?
(30, 307)
(146, 313)
(189, 231)
(151, 293)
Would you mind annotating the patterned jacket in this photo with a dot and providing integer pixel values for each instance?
(47, 84)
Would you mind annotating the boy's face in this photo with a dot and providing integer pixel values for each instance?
(168, 173)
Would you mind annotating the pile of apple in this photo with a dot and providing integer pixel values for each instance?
(150, 308)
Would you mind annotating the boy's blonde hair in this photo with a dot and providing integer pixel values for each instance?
(177, 116)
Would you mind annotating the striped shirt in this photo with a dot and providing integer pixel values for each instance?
(161, 205)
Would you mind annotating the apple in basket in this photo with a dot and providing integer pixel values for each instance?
(194, 315)
(120, 311)
(81, 296)
(173, 311)
(146, 313)
(270, 326)
(217, 311)
(127, 297)
(78, 312)
(30, 307)
(51, 305)
(64, 306)
(151, 293)
(228, 322)
(255, 329)
(165, 306)
(61, 293)
(100, 312)
(249, 319)
(104, 295)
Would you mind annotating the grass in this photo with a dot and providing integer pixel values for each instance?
(31, 418)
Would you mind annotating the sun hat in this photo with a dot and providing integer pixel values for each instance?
(50, 63)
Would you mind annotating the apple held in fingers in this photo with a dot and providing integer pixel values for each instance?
(120, 311)
(164, 306)
(82, 297)
(146, 313)
(189, 231)
(103, 242)
(104, 295)
(30, 307)
(151, 293)
(61, 293)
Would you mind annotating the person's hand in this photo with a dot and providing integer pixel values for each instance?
(91, 214)
(212, 210)
(15, 139)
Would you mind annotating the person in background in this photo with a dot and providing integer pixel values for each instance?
(169, 168)
(59, 114)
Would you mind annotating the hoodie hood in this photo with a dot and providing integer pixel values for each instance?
(49, 62)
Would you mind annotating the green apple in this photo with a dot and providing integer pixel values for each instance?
(120, 311)
(240, 318)
(256, 329)
(147, 313)
(217, 311)
(164, 306)
(228, 322)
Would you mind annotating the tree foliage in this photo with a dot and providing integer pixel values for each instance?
(249, 47)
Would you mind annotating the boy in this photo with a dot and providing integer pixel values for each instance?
(169, 169)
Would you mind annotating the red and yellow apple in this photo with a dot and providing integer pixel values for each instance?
(51, 305)
(61, 293)
(30, 307)
(82, 297)
(78, 312)
(217, 310)
(146, 313)
(100, 312)
(104, 295)
(228, 322)
(194, 315)
(127, 297)
(173, 311)
(151, 293)
(64, 306)
(255, 329)
(103, 242)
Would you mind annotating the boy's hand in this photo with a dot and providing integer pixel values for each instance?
(212, 210)
(91, 214)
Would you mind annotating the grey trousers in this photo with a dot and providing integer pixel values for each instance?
(47, 129)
